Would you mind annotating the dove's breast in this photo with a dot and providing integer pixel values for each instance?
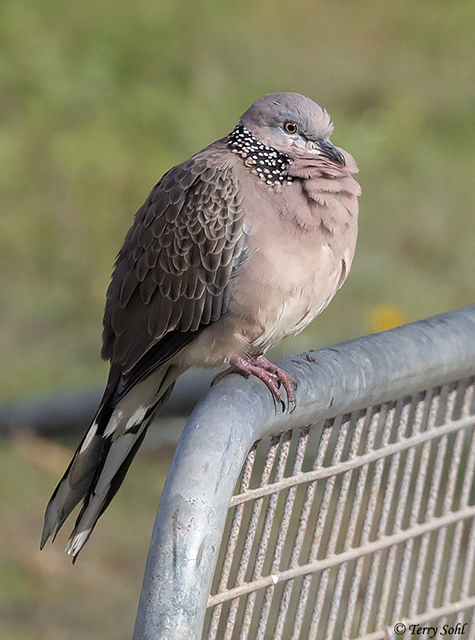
(290, 275)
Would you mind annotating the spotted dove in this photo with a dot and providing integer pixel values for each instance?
(234, 249)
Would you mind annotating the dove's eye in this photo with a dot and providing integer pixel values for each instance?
(290, 127)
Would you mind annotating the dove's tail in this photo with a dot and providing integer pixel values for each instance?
(104, 456)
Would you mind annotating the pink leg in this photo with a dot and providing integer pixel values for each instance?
(266, 371)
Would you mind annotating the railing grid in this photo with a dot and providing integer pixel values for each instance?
(347, 527)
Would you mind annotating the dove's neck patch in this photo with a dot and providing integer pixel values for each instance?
(265, 162)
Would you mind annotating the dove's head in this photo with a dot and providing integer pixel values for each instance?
(292, 124)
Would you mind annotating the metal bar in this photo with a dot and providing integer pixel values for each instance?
(471, 632)
(425, 458)
(469, 562)
(461, 605)
(464, 497)
(319, 565)
(432, 413)
(320, 525)
(387, 451)
(332, 544)
(416, 501)
(432, 503)
(400, 507)
(250, 535)
(265, 535)
(71, 411)
(237, 412)
(282, 535)
(367, 522)
(376, 560)
(232, 541)
(299, 540)
(448, 504)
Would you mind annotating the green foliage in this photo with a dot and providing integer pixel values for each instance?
(99, 99)
(42, 595)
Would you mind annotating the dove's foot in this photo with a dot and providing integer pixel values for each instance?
(273, 377)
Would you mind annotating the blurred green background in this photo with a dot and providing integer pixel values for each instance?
(98, 99)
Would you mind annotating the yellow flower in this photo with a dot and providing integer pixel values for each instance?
(385, 316)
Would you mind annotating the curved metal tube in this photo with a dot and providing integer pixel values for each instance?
(237, 412)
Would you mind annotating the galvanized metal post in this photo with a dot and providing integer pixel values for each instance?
(237, 412)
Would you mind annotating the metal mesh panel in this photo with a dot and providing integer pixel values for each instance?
(343, 529)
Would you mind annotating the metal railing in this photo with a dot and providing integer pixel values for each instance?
(352, 517)
(66, 412)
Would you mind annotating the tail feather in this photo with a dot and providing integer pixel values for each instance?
(74, 485)
(104, 456)
(119, 458)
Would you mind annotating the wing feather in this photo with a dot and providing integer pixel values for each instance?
(173, 273)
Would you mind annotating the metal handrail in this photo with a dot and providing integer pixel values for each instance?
(237, 412)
